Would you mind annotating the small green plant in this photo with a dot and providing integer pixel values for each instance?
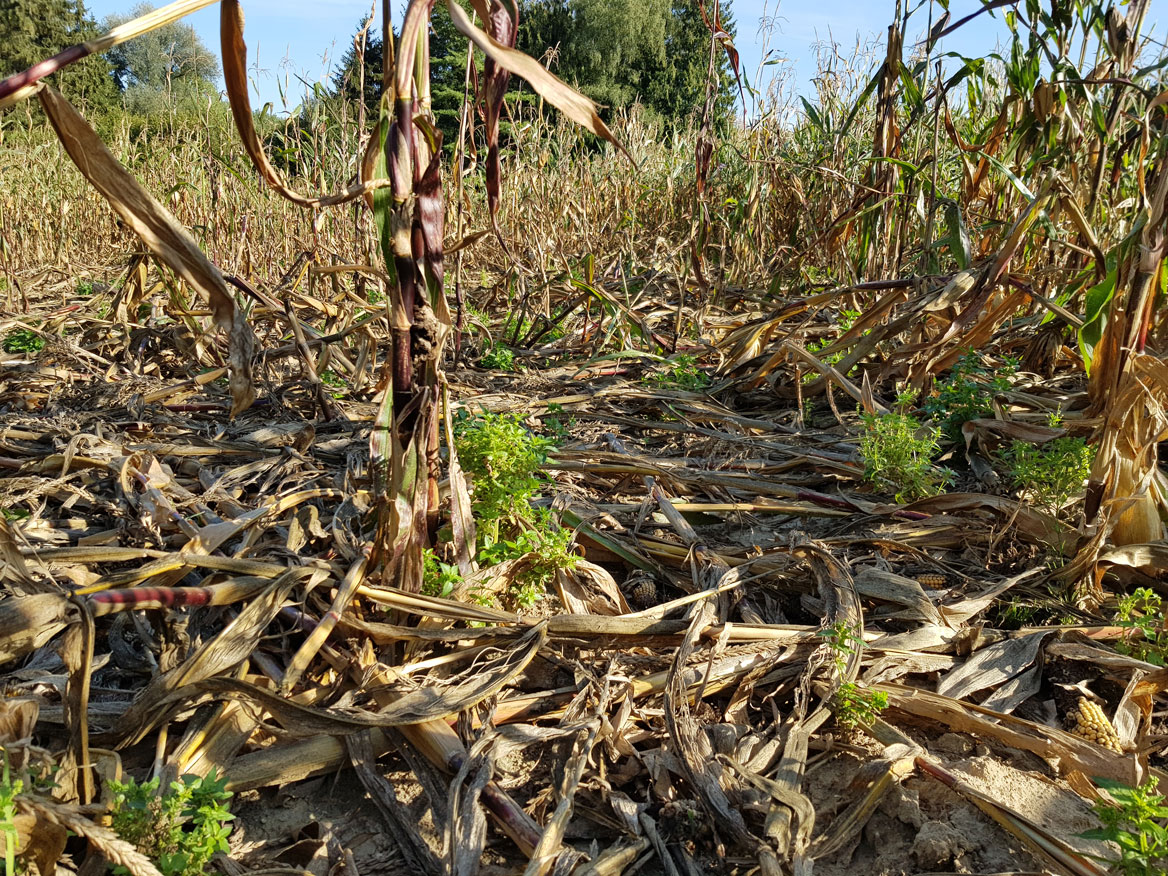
(847, 319)
(829, 359)
(1136, 824)
(23, 341)
(1052, 473)
(853, 705)
(968, 393)
(84, 288)
(549, 548)
(438, 578)
(180, 829)
(557, 427)
(9, 789)
(331, 378)
(898, 452)
(503, 460)
(498, 358)
(1142, 613)
(681, 372)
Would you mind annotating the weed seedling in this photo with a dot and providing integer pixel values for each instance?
(181, 829)
(898, 452)
(498, 358)
(1143, 614)
(556, 426)
(681, 372)
(968, 393)
(1136, 824)
(503, 460)
(438, 578)
(23, 341)
(853, 705)
(1053, 473)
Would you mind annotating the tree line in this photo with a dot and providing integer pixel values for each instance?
(616, 51)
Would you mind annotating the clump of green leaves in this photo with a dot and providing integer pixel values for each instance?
(498, 358)
(968, 393)
(549, 548)
(898, 453)
(84, 288)
(503, 459)
(829, 359)
(9, 789)
(853, 705)
(681, 372)
(180, 829)
(1142, 612)
(1052, 473)
(1135, 823)
(21, 340)
(438, 578)
(556, 425)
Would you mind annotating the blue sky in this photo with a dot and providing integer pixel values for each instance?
(294, 38)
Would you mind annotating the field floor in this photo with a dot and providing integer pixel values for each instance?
(757, 658)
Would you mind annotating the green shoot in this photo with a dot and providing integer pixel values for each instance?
(181, 829)
(1136, 824)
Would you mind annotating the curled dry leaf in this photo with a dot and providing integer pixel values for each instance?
(235, 81)
(554, 90)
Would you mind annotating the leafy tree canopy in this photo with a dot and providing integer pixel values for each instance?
(617, 51)
(621, 51)
(165, 67)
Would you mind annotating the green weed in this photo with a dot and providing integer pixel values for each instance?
(84, 288)
(1136, 824)
(853, 705)
(898, 452)
(23, 341)
(498, 358)
(1143, 613)
(967, 394)
(9, 789)
(1053, 473)
(557, 427)
(180, 829)
(503, 460)
(550, 547)
(438, 578)
(681, 372)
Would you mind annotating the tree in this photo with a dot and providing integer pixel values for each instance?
(163, 68)
(620, 51)
(448, 49)
(348, 77)
(37, 29)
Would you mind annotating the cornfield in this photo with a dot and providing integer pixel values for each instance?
(763, 497)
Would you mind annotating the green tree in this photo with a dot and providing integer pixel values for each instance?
(37, 29)
(169, 67)
(620, 51)
(347, 78)
(448, 48)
